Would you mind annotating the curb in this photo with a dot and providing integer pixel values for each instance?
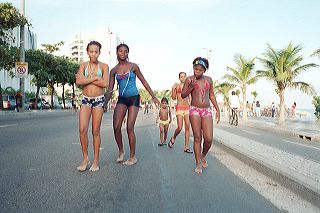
(284, 178)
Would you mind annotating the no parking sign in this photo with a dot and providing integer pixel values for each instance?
(21, 69)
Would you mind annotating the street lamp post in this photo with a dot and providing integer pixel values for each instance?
(22, 53)
(208, 52)
(110, 34)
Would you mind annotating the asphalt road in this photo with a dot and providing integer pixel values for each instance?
(39, 156)
(301, 147)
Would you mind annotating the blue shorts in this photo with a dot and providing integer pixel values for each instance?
(130, 101)
(93, 102)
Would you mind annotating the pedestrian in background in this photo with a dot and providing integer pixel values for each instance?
(273, 109)
(258, 112)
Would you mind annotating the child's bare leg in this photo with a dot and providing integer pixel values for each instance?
(179, 127)
(96, 123)
(132, 116)
(118, 116)
(197, 134)
(84, 117)
(207, 127)
(187, 131)
(166, 127)
(161, 127)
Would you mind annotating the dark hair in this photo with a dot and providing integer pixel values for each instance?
(165, 99)
(203, 62)
(94, 43)
(122, 45)
(182, 73)
(233, 92)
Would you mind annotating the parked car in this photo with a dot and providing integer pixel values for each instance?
(40, 104)
(9, 102)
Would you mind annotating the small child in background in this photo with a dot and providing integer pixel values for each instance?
(165, 119)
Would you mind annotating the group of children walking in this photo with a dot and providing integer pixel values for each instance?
(193, 95)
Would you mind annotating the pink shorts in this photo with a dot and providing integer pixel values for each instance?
(202, 112)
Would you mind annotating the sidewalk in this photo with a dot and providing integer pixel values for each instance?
(295, 172)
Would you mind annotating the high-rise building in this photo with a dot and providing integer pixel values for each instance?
(30, 43)
(109, 40)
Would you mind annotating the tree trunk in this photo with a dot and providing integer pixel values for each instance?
(244, 103)
(225, 110)
(37, 93)
(282, 108)
(1, 101)
(73, 95)
(63, 101)
(52, 92)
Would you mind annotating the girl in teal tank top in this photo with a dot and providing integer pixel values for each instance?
(125, 73)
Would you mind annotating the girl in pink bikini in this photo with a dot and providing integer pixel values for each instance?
(182, 113)
(201, 89)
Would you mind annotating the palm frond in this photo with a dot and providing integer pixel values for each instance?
(303, 87)
(316, 53)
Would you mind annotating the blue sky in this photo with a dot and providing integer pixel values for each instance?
(165, 36)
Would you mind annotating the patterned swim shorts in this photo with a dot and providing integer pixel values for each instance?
(202, 112)
(93, 102)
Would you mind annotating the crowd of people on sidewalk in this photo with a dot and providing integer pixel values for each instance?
(194, 95)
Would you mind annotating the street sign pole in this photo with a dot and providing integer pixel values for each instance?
(22, 53)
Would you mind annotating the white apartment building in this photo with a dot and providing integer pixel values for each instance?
(109, 41)
(30, 43)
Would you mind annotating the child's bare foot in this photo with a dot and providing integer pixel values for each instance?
(120, 157)
(94, 167)
(204, 162)
(84, 165)
(198, 169)
(130, 162)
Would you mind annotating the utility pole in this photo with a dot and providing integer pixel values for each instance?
(22, 53)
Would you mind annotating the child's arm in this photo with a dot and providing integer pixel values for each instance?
(103, 82)
(187, 87)
(81, 79)
(174, 92)
(213, 100)
(158, 116)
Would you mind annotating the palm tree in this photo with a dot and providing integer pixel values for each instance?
(282, 68)
(316, 53)
(224, 89)
(254, 94)
(242, 75)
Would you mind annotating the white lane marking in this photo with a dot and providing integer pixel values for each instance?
(8, 125)
(312, 147)
(253, 133)
(101, 148)
(75, 143)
